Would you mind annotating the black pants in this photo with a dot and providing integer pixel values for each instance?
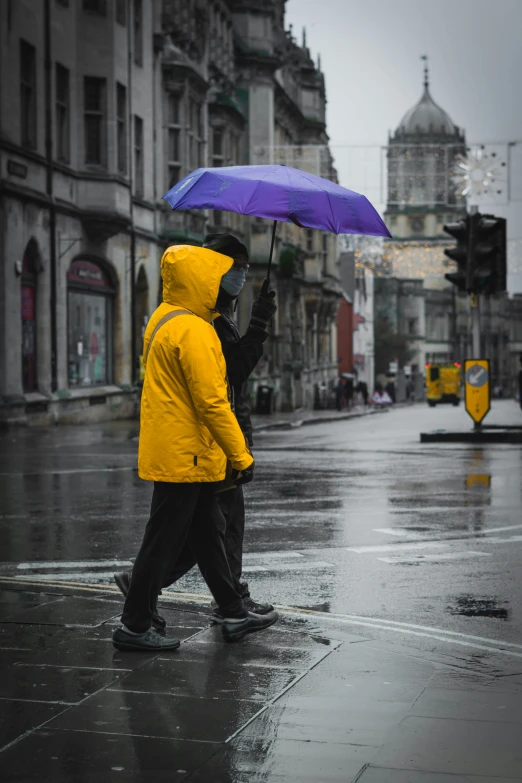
(181, 514)
(232, 505)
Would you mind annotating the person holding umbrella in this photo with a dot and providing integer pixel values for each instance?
(241, 356)
(187, 433)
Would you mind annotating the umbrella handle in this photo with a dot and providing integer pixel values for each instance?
(272, 243)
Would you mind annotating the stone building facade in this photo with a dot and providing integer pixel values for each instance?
(104, 105)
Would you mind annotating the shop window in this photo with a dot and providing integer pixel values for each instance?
(90, 297)
(30, 268)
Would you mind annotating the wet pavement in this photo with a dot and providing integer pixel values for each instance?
(397, 566)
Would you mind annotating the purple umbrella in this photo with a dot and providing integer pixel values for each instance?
(278, 193)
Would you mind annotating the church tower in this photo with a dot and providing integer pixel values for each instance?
(421, 158)
(421, 197)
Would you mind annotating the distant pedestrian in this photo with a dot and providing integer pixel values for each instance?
(339, 394)
(390, 390)
(187, 433)
(362, 388)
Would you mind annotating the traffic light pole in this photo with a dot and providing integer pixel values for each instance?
(475, 325)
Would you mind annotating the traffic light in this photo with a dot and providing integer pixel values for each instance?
(480, 254)
(459, 231)
(487, 266)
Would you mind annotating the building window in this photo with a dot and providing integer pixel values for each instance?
(174, 138)
(138, 155)
(62, 113)
(309, 240)
(95, 115)
(324, 253)
(218, 151)
(121, 12)
(121, 127)
(95, 7)
(412, 326)
(195, 135)
(30, 268)
(138, 32)
(28, 94)
(89, 328)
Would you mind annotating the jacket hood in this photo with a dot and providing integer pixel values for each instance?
(191, 278)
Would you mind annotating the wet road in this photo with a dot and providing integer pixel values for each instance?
(355, 523)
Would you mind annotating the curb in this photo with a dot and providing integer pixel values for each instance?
(292, 425)
(499, 436)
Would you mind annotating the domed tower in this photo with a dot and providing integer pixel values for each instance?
(421, 153)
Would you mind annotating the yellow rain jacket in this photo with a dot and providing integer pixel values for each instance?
(187, 428)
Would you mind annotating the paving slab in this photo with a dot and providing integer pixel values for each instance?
(203, 679)
(379, 775)
(458, 747)
(469, 705)
(53, 683)
(159, 715)
(73, 612)
(92, 654)
(281, 761)
(249, 653)
(315, 719)
(76, 757)
(19, 717)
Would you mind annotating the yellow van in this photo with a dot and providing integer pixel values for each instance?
(443, 383)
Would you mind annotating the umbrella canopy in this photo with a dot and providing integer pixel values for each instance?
(278, 193)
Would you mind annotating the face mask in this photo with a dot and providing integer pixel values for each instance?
(234, 280)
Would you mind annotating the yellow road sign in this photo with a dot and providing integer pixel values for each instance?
(477, 387)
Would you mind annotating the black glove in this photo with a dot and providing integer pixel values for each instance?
(245, 476)
(264, 308)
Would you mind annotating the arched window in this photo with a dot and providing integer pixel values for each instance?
(90, 295)
(30, 269)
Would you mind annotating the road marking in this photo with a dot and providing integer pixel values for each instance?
(395, 547)
(302, 566)
(267, 555)
(74, 564)
(434, 558)
(62, 577)
(394, 531)
(60, 472)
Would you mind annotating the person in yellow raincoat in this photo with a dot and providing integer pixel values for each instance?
(187, 433)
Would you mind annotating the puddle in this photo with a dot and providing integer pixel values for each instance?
(470, 606)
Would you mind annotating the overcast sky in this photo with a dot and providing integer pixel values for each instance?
(370, 55)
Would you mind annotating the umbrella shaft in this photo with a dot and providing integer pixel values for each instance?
(272, 243)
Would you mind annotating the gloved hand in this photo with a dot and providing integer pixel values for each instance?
(245, 476)
(264, 308)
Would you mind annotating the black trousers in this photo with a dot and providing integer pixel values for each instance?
(181, 514)
(232, 505)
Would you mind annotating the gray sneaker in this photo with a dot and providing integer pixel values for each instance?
(150, 641)
(235, 628)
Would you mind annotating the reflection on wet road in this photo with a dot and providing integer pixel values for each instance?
(354, 518)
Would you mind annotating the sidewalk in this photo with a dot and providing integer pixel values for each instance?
(302, 417)
(283, 706)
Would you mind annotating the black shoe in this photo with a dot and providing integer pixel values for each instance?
(251, 606)
(123, 582)
(150, 641)
(234, 629)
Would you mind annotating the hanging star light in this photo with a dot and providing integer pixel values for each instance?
(481, 175)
